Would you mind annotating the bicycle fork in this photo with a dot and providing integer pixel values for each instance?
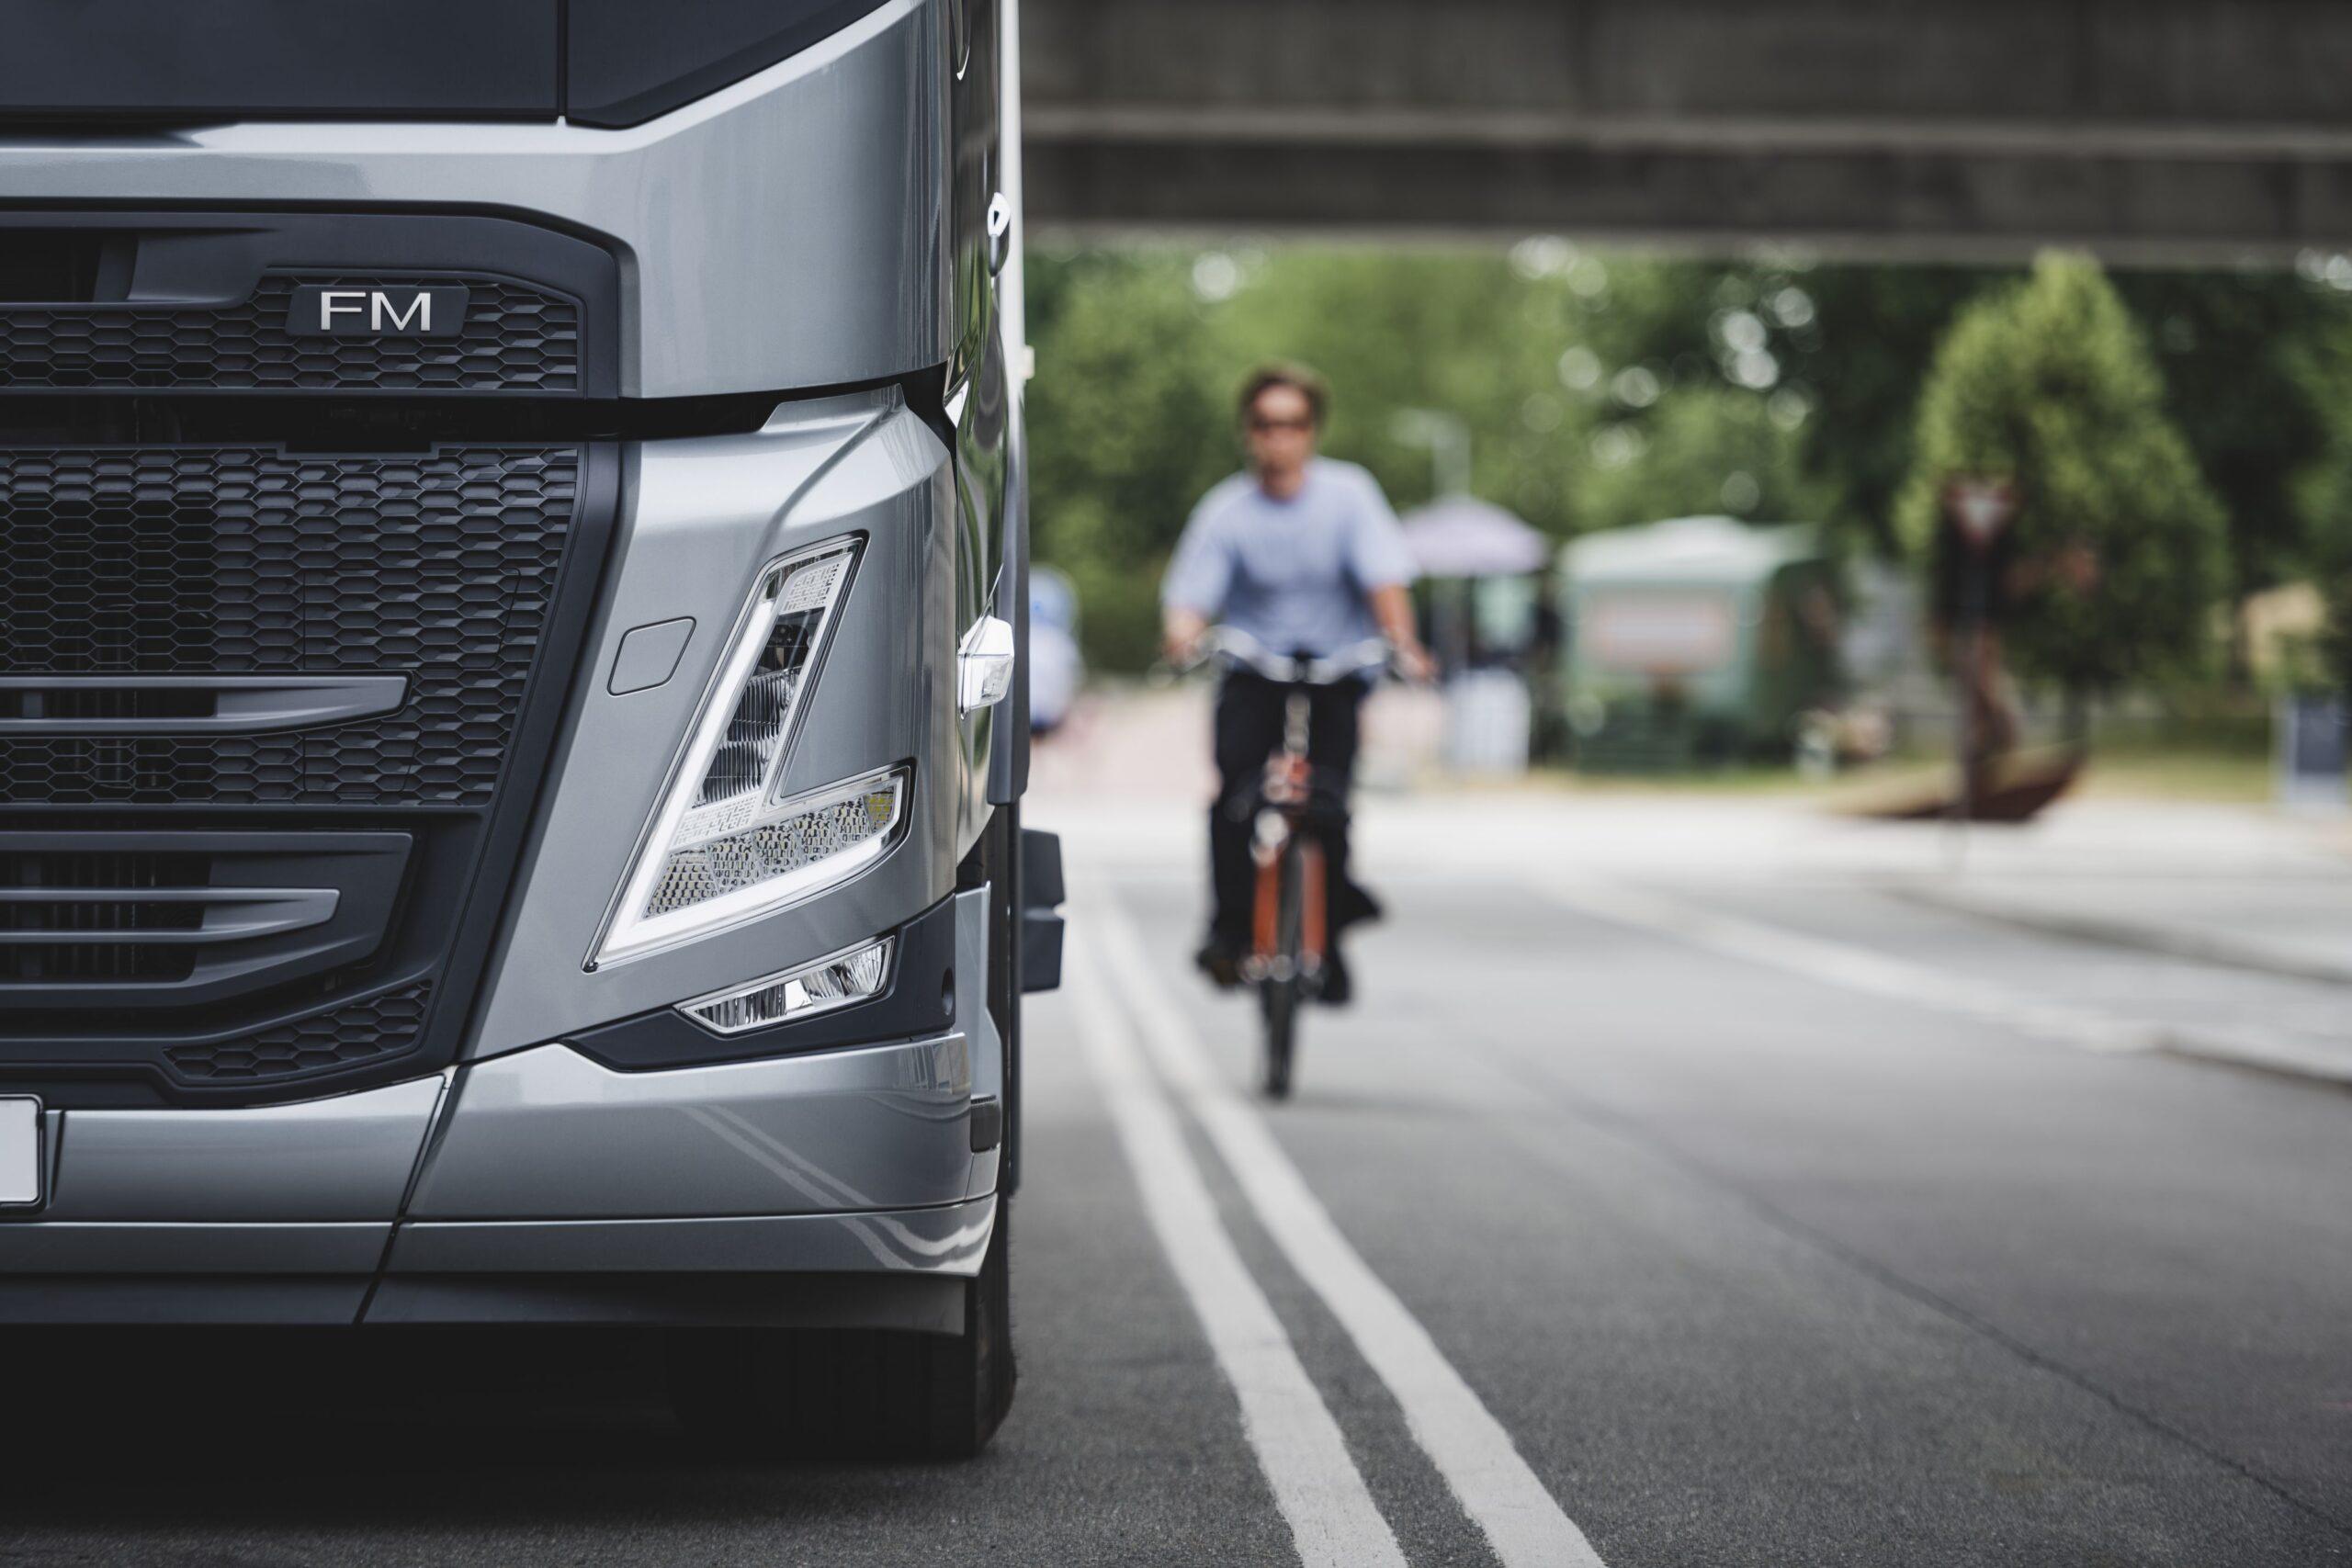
(1285, 950)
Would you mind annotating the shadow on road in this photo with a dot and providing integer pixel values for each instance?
(343, 1430)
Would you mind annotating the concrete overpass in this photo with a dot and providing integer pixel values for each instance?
(2148, 129)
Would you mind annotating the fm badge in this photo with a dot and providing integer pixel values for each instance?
(334, 310)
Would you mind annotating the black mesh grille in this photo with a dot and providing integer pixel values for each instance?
(166, 560)
(370, 1030)
(101, 868)
(516, 338)
(107, 702)
(22, 875)
(103, 962)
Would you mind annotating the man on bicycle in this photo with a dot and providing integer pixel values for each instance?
(1302, 554)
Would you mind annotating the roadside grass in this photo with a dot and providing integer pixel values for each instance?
(2138, 774)
(2198, 747)
(2121, 769)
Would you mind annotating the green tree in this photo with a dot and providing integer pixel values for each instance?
(2330, 559)
(1850, 344)
(1602, 389)
(2050, 384)
(2232, 350)
(1465, 332)
(1863, 357)
(1141, 352)
(1857, 340)
(1127, 427)
(2331, 564)
(2323, 488)
(1702, 451)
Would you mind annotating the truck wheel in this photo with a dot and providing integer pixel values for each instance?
(853, 1393)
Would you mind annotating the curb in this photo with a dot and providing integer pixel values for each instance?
(2280, 1060)
(2169, 942)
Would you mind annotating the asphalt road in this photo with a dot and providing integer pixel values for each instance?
(1683, 1223)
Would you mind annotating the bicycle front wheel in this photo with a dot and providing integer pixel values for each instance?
(1281, 992)
(1279, 1000)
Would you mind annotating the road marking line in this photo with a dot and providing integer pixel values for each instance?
(1322, 1494)
(1841, 964)
(1468, 1446)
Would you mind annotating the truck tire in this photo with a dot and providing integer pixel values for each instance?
(854, 1394)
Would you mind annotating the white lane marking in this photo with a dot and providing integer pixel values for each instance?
(1841, 964)
(1468, 1446)
(1333, 1520)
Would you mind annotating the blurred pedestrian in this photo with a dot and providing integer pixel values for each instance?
(1973, 580)
(1982, 585)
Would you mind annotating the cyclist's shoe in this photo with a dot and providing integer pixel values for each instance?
(1339, 986)
(1218, 961)
(1355, 906)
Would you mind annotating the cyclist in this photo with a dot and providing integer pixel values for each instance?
(1303, 553)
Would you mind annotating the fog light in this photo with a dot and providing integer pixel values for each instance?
(855, 976)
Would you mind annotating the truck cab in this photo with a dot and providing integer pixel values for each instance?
(512, 588)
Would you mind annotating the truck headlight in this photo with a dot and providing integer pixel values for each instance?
(841, 981)
(726, 846)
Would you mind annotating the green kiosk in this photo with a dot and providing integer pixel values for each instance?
(1696, 642)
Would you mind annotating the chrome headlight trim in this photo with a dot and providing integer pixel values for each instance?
(685, 818)
(726, 909)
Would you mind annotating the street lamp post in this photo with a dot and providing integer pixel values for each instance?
(1447, 435)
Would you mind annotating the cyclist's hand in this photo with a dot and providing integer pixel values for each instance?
(1180, 640)
(1414, 664)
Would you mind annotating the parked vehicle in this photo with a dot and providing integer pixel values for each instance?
(1056, 667)
(1697, 641)
(513, 548)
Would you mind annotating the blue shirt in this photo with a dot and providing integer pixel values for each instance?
(1297, 574)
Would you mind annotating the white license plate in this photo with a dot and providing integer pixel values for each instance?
(20, 1160)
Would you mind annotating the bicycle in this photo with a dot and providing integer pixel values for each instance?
(1289, 936)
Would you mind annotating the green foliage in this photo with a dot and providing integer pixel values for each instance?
(1140, 353)
(2323, 488)
(2332, 568)
(2234, 351)
(1712, 449)
(1392, 330)
(2050, 384)
(1126, 430)
(1856, 341)
(1862, 359)
(1602, 388)
(1848, 345)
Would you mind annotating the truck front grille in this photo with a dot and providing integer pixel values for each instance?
(272, 724)
(175, 560)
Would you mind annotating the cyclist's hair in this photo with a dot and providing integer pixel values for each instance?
(1298, 378)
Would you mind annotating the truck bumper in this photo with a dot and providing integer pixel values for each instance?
(833, 1190)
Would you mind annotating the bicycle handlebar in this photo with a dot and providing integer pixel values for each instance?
(1370, 656)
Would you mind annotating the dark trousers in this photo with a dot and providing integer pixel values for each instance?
(1249, 712)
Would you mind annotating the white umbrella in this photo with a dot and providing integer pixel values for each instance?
(1459, 535)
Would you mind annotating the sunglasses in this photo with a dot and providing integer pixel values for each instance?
(1268, 426)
